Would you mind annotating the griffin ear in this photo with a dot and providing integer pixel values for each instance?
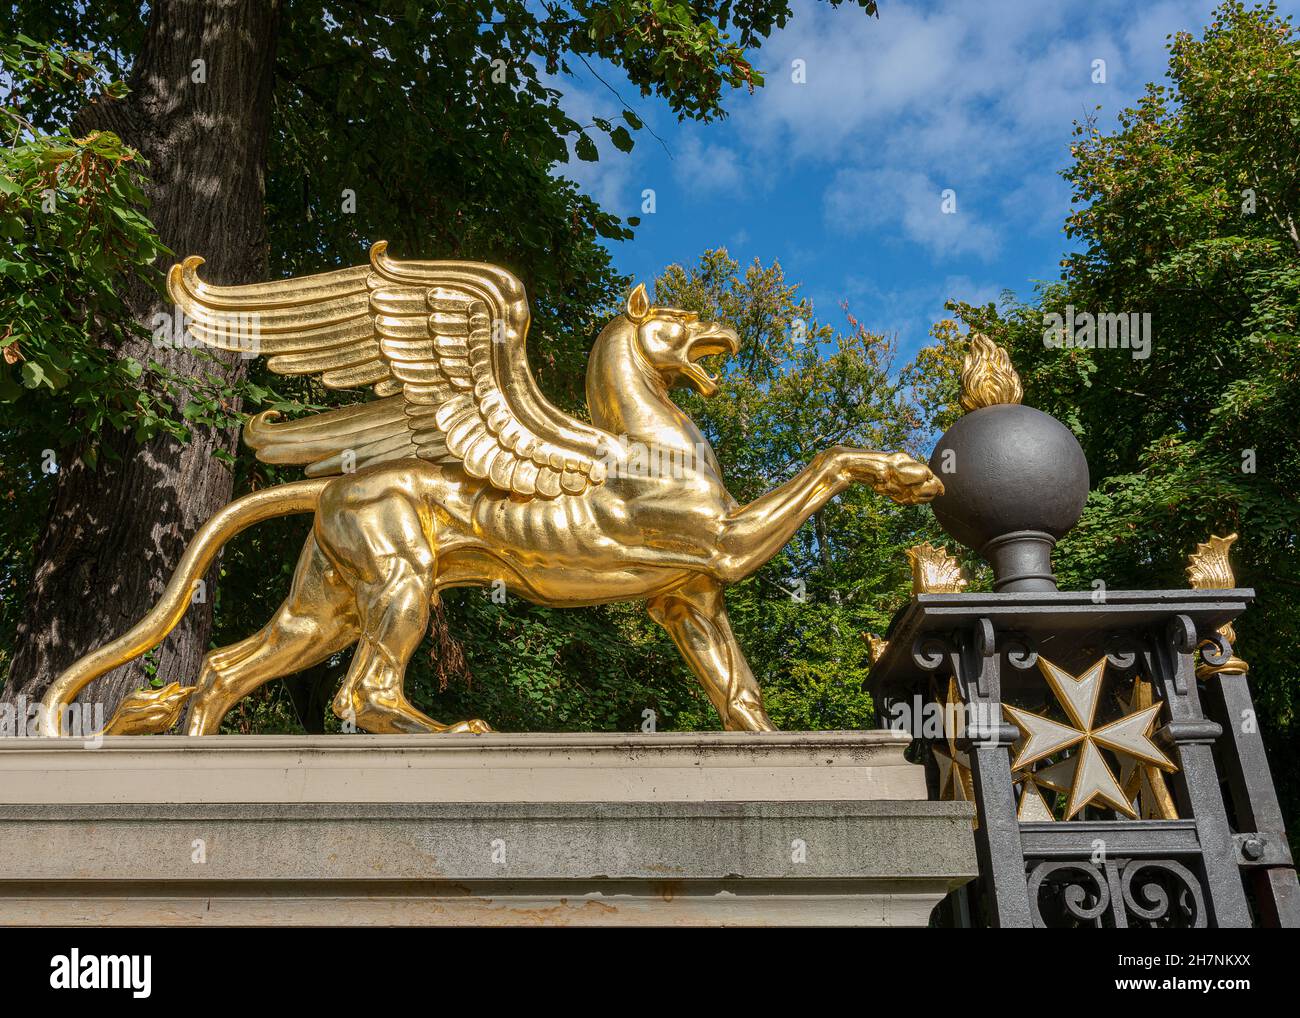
(638, 305)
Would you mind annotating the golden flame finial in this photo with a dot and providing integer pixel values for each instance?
(987, 377)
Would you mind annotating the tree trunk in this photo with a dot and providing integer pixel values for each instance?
(116, 531)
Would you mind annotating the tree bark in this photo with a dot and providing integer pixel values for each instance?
(115, 531)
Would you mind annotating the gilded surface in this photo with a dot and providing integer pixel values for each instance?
(1209, 568)
(459, 473)
(956, 782)
(934, 571)
(149, 710)
(876, 647)
(1085, 776)
(987, 377)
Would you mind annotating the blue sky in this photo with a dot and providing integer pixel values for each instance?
(841, 178)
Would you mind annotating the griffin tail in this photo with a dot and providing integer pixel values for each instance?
(281, 500)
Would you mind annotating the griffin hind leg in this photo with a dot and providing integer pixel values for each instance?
(395, 615)
(317, 619)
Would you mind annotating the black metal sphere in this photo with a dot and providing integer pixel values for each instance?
(1005, 469)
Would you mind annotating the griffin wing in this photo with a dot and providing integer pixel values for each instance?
(442, 344)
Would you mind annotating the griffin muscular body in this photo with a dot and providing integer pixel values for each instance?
(461, 474)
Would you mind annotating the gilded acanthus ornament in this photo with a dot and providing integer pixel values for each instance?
(876, 646)
(934, 571)
(458, 472)
(1209, 569)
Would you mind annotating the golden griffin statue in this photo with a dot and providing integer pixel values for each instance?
(460, 473)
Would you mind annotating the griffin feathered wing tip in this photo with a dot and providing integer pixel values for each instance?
(318, 325)
(339, 441)
(176, 289)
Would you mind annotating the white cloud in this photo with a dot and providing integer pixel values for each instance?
(704, 169)
(608, 181)
(911, 201)
(961, 95)
(1038, 200)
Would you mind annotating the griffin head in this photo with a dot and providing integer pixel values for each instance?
(674, 342)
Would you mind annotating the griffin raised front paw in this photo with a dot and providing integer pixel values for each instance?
(908, 481)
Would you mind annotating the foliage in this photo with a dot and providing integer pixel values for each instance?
(72, 212)
(75, 235)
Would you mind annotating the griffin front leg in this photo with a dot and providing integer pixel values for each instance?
(696, 618)
(753, 533)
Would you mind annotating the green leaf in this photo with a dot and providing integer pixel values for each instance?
(33, 374)
(621, 139)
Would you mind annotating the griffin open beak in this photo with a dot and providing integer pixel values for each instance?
(710, 341)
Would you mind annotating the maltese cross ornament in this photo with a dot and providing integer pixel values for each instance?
(1086, 772)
